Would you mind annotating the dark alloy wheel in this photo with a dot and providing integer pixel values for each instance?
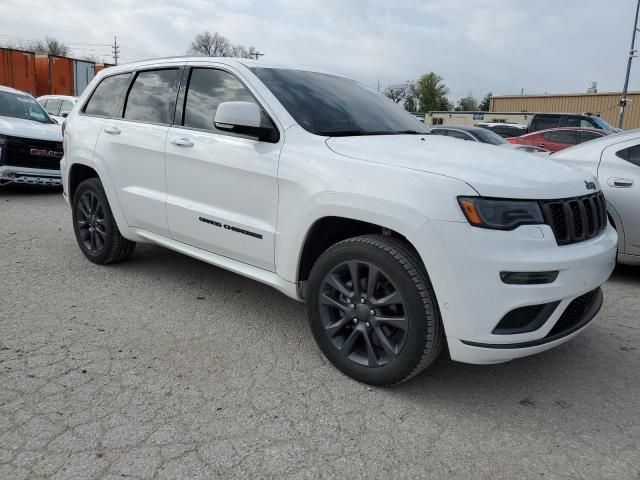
(95, 227)
(91, 222)
(363, 313)
(372, 310)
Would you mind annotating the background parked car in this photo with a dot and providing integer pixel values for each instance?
(547, 121)
(472, 134)
(505, 130)
(30, 141)
(557, 139)
(57, 106)
(615, 160)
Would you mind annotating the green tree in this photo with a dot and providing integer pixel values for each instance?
(485, 103)
(410, 104)
(431, 93)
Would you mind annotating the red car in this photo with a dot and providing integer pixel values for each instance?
(558, 138)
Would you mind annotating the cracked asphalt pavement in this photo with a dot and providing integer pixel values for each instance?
(166, 367)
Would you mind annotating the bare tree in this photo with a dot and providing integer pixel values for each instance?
(467, 104)
(240, 51)
(50, 46)
(210, 45)
(216, 45)
(397, 92)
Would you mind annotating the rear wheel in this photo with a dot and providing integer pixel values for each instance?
(95, 227)
(373, 311)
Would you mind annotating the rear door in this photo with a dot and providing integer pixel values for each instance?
(133, 147)
(619, 176)
(222, 188)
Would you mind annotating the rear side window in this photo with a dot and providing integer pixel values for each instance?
(208, 88)
(543, 122)
(562, 136)
(152, 96)
(631, 155)
(53, 106)
(105, 97)
(586, 136)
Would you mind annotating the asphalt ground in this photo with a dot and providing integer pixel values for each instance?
(166, 367)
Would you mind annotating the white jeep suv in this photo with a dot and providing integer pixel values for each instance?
(397, 239)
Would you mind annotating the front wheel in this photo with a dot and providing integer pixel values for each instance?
(372, 310)
(95, 227)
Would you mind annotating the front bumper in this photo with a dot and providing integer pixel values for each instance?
(29, 176)
(465, 262)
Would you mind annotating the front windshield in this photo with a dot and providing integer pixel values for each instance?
(487, 136)
(335, 106)
(22, 106)
(604, 125)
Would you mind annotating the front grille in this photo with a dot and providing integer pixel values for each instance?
(574, 312)
(18, 152)
(576, 219)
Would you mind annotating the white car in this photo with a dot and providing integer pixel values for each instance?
(58, 106)
(30, 141)
(397, 239)
(615, 160)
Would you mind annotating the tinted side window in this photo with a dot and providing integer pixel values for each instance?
(543, 122)
(152, 96)
(208, 88)
(631, 155)
(105, 97)
(53, 106)
(586, 136)
(440, 131)
(563, 136)
(580, 122)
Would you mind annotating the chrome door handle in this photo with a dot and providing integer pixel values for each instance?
(620, 182)
(182, 142)
(113, 130)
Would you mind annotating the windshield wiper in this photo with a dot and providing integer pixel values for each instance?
(342, 133)
(410, 132)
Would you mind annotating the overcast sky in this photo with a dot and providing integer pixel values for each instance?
(475, 45)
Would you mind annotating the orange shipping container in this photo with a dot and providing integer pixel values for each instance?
(54, 75)
(18, 70)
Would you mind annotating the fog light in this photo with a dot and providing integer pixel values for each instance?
(528, 278)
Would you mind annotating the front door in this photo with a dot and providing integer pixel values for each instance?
(619, 176)
(222, 188)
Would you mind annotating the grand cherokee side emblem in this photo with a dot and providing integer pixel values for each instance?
(36, 152)
(590, 185)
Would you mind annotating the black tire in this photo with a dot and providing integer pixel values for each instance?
(407, 350)
(95, 227)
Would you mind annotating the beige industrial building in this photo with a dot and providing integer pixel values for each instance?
(519, 108)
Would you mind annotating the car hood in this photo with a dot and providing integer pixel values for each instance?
(491, 171)
(18, 127)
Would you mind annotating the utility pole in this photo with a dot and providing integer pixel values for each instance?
(258, 55)
(379, 80)
(116, 50)
(632, 54)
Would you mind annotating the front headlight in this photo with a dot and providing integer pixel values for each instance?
(500, 214)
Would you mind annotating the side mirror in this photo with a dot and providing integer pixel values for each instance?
(243, 117)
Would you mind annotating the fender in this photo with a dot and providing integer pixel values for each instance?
(400, 218)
